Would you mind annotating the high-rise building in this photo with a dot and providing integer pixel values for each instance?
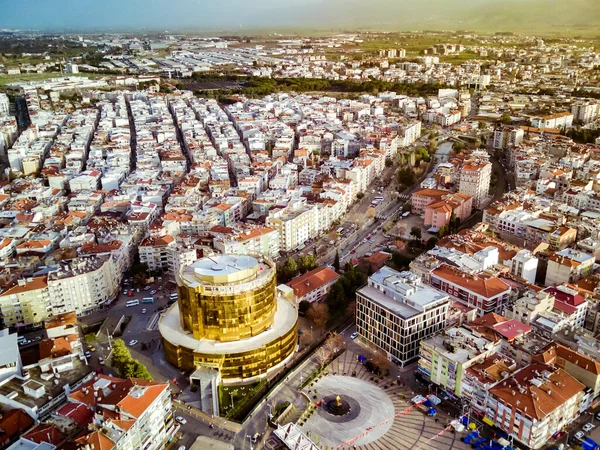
(475, 177)
(229, 320)
(395, 311)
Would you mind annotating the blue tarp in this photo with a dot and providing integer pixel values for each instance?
(361, 359)
(432, 412)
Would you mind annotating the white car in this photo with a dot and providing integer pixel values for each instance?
(580, 435)
(153, 291)
(181, 420)
(354, 335)
(181, 447)
(132, 342)
(144, 311)
(588, 427)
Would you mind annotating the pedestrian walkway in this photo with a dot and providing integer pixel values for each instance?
(411, 428)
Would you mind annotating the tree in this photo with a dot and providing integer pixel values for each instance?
(336, 261)
(124, 363)
(303, 307)
(288, 271)
(318, 313)
(406, 177)
(443, 231)
(481, 125)
(505, 119)
(322, 354)
(416, 232)
(306, 263)
(432, 242)
(389, 162)
(334, 342)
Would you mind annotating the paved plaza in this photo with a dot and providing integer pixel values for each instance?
(380, 400)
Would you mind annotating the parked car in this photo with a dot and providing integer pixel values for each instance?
(354, 335)
(101, 361)
(588, 427)
(147, 288)
(181, 420)
(255, 438)
(132, 342)
(88, 354)
(580, 435)
(153, 291)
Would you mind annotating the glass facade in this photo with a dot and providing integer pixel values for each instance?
(248, 364)
(225, 299)
(216, 314)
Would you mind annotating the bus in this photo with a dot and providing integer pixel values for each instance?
(174, 296)
(379, 198)
(148, 300)
(132, 303)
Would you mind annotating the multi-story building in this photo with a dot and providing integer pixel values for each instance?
(585, 112)
(439, 214)
(26, 303)
(524, 265)
(296, 224)
(395, 311)
(568, 266)
(129, 414)
(445, 357)
(178, 257)
(154, 251)
(475, 177)
(424, 197)
(11, 364)
(229, 324)
(506, 137)
(534, 403)
(556, 121)
(82, 285)
(255, 241)
(313, 286)
(484, 292)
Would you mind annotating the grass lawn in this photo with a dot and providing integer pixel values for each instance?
(7, 79)
(239, 392)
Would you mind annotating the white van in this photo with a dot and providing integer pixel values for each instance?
(132, 303)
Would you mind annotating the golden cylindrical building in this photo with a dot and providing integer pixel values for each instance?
(229, 317)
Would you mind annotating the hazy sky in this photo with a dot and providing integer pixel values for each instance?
(278, 14)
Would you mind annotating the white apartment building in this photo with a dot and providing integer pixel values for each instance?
(144, 410)
(508, 137)
(585, 112)
(254, 241)
(524, 265)
(296, 223)
(154, 251)
(10, 357)
(395, 311)
(25, 303)
(4, 104)
(475, 177)
(555, 121)
(82, 285)
(179, 257)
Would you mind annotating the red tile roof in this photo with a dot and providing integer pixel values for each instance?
(312, 280)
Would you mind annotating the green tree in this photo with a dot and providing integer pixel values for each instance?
(505, 119)
(443, 231)
(432, 242)
(389, 162)
(336, 261)
(303, 307)
(306, 263)
(406, 177)
(416, 232)
(481, 125)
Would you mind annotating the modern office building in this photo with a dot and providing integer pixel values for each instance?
(395, 311)
(229, 321)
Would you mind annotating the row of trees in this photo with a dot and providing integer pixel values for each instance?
(293, 267)
(583, 135)
(124, 363)
(261, 86)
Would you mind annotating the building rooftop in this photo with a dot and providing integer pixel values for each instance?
(402, 292)
(312, 280)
